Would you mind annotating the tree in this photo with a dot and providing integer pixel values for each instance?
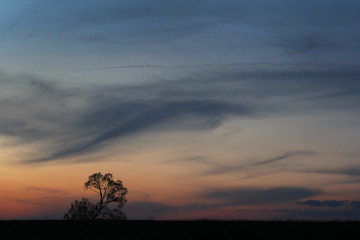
(109, 191)
(81, 210)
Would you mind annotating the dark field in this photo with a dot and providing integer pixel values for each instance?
(176, 229)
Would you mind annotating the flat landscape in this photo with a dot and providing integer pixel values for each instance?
(159, 119)
(152, 229)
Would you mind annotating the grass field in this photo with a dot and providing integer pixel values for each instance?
(131, 229)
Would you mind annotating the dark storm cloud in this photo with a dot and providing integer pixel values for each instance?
(258, 196)
(77, 121)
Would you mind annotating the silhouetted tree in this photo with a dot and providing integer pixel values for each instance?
(81, 210)
(109, 191)
(113, 214)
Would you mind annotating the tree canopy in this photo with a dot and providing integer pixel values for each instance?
(109, 191)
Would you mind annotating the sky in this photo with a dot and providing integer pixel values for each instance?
(204, 109)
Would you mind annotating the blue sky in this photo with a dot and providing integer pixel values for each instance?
(240, 98)
(69, 34)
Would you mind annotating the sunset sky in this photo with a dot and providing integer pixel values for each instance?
(215, 109)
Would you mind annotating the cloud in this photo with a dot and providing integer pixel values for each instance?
(31, 105)
(345, 215)
(76, 121)
(18, 19)
(282, 157)
(353, 171)
(147, 210)
(330, 203)
(121, 120)
(140, 19)
(98, 12)
(332, 214)
(306, 43)
(41, 190)
(213, 65)
(159, 21)
(236, 167)
(258, 196)
(355, 204)
(155, 210)
(326, 203)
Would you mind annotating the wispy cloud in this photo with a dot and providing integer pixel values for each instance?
(220, 197)
(19, 18)
(282, 157)
(307, 43)
(206, 65)
(142, 22)
(121, 120)
(75, 121)
(238, 167)
(46, 190)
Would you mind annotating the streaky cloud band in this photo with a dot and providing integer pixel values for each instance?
(202, 65)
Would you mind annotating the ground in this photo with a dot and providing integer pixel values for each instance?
(176, 229)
